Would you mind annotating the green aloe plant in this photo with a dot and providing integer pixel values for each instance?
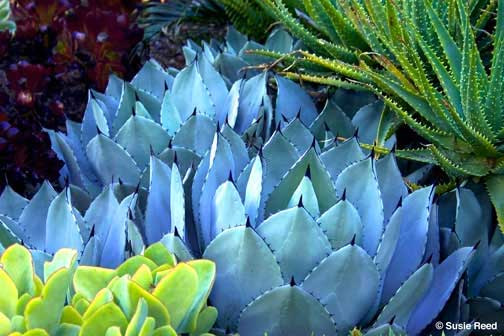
(438, 65)
(147, 295)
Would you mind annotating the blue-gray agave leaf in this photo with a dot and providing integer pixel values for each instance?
(62, 226)
(32, 222)
(346, 283)
(165, 203)
(244, 274)
(293, 312)
(286, 233)
(410, 247)
(446, 276)
(11, 203)
(293, 101)
(360, 184)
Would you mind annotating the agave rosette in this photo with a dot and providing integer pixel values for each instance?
(163, 112)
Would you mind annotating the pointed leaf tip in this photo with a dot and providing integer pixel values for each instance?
(399, 203)
(300, 204)
(308, 172)
(92, 233)
(475, 247)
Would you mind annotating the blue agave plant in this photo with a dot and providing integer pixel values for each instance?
(309, 235)
(166, 112)
(465, 218)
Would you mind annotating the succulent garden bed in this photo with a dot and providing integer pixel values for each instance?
(310, 169)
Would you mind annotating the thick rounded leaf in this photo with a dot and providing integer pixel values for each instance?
(361, 186)
(140, 137)
(346, 283)
(287, 233)
(246, 268)
(8, 295)
(88, 281)
(127, 295)
(286, 310)
(109, 315)
(103, 297)
(62, 229)
(446, 276)
(206, 320)
(138, 319)
(177, 291)
(33, 218)
(109, 161)
(401, 305)
(45, 311)
(17, 262)
(63, 258)
(206, 270)
(291, 100)
(391, 183)
(341, 223)
(410, 247)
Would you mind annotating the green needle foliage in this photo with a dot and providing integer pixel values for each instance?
(438, 65)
